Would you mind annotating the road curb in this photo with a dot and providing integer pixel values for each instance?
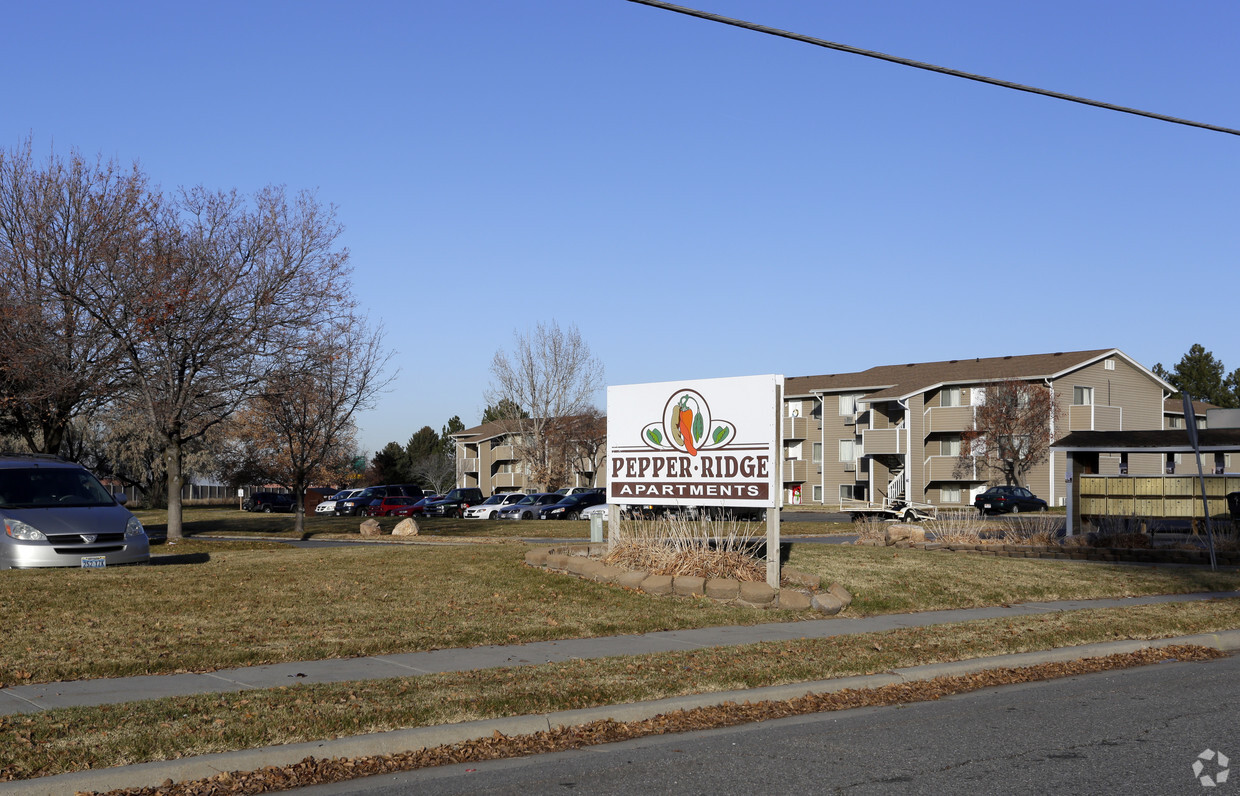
(386, 743)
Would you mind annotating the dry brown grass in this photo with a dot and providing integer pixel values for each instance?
(870, 529)
(1039, 529)
(958, 526)
(707, 548)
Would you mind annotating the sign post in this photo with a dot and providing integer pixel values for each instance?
(702, 443)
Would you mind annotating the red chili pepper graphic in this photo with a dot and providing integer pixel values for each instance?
(684, 419)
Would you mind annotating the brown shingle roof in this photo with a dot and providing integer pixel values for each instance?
(899, 381)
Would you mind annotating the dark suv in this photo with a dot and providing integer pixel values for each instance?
(455, 502)
(269, 502)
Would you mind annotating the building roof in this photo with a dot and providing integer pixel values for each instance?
(495, 428)
(1169, 441)
(888, 382)
(1175, 406)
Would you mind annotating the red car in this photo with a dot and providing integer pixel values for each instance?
(414, 507)
(388, 506)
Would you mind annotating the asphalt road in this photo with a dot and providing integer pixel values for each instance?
(1136, 731)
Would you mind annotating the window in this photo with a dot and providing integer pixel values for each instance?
(846, 491)
(949, 494)
(950, 445)
(1108, 364)
(817, 493)
(848, 403)
(794, 408)
(950, 396)
(1175, 421)
(816, 452)
(848, 450)
(1082, 396)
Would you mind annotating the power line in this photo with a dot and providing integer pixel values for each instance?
(928, 67)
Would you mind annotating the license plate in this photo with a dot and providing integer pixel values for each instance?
(94, 562)
(986, 505)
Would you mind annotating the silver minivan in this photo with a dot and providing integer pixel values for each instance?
(56, 514)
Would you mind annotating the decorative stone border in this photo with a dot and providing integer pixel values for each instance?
(577, 560)
(914, 538)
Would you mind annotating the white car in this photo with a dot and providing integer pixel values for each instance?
(595, 511)
(329, 506)
(489, 509)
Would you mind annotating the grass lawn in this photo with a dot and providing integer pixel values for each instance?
(231, 521)
(83, 738)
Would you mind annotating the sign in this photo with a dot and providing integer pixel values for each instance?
(710, 442)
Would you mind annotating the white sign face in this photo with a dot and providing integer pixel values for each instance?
(710, 442)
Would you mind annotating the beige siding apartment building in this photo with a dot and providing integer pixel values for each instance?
(894, 431)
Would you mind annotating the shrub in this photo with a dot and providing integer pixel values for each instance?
(708, 548)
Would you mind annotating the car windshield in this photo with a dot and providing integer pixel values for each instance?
(44, 487)
(492, 500)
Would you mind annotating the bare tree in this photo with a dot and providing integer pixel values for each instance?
(1011, 431)
(204, 296)
(58, 362)
(551, 375)
(299, 428)
(583, 439)
(437, 471)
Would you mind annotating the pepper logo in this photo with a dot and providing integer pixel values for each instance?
(687, 426)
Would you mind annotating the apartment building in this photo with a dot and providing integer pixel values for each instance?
(487, 458)
(895, 431)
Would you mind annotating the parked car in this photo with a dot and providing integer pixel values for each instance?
(455, 502)
(489, 508)
(577, 490)
(56, 514)
(269, 501)
(527, 507)
(417, 507)
(386, 505)
(595, 511)
(1014, 499)
(353, 505)
(570, 507)
(329, 506)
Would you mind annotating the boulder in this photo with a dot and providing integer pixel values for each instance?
(794, 600)
(535, 558)
(828, 603)
(758, 595)
(844, 595)
(723, 589)
(657, 584)
(911, 534)
(371, 528)
(406, 527)
(811, 582)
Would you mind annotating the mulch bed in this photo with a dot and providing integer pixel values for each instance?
(312, 771)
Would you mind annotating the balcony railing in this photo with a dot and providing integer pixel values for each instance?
(947, 468)
(884, 440)
(796, 471)
(1092, 417)
(502, 453)
(469, 465)
(949, 418)
(502, 480)
(796, 428)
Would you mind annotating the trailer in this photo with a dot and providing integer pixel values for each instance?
(889, 509)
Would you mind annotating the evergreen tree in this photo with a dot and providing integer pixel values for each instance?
(503, 409)
(1201, 375)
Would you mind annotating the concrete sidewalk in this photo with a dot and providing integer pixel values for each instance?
(27, 699)
(46, 696)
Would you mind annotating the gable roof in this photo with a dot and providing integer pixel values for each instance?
(890, 382)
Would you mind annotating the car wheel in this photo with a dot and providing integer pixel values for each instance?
(527, 516)
(573, 516)
(492, 515)
(1016, 509)
(1041, 508)
(266, 509)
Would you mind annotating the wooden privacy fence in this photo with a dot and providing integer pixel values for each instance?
(1155, 496)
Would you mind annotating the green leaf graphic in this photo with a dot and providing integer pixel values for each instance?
(720, 434)
(655, 436)
(698, 430)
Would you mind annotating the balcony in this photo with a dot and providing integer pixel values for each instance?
(502, 480)
(949, 418)
(879, 441)
(1092, 417)
(944, 468)
(467, 465)
(796, 428)
(502, 453)
(796, 471)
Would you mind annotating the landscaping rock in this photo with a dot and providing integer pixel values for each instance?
(408, 527)
(687, 585)
(371, 528)
(842, 594)
(812, 582)
(757, 594)
(535, 558)
(723, 589)
(606, 573)
(828, 603)
(657, 584)
(557, 561)
(580, 565)
(794, 600)
(631, 580)
(904, 533)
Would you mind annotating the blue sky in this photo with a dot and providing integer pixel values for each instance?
(701, 201)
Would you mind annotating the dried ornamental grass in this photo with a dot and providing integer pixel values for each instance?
(871, 529)
(707, 548)
(961, 526)
(1037, 529)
